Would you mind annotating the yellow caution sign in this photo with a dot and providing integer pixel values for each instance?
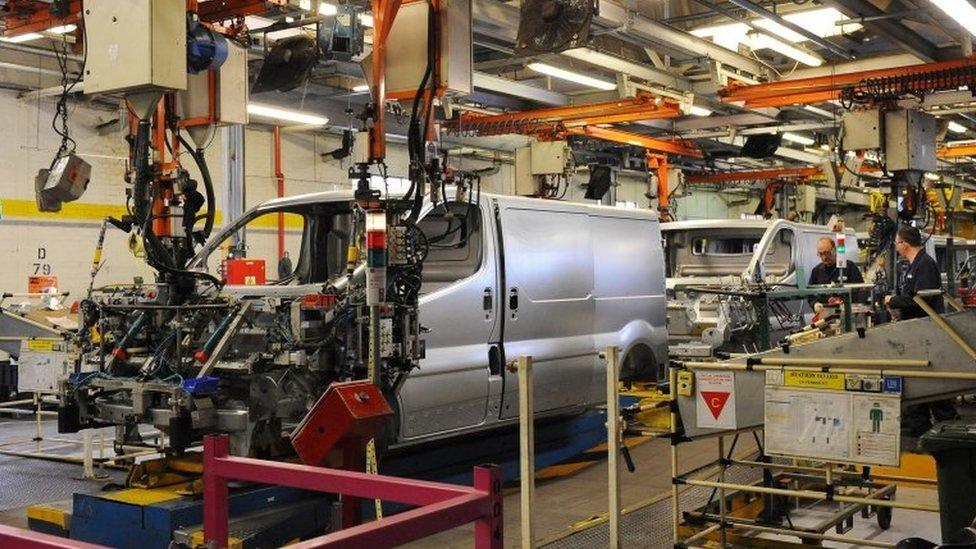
(813, 380)
(40, 344)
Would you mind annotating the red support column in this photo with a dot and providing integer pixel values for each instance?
(488, 530)
(214, 491)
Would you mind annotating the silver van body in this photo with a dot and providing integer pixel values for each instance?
(555, 280)
(734, 254)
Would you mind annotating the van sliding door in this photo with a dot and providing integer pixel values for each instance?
(459, 308)
(547, 301)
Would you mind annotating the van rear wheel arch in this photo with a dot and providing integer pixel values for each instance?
(640, 364)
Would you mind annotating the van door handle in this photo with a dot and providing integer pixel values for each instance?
(487, 302)
(513, 299)
(494, 360)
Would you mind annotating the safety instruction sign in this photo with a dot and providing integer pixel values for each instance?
(715, 403)
(841, 426)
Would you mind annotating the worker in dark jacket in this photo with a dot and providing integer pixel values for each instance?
(826, 272)
(923, 274)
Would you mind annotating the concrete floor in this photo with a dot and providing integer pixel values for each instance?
(559, 503)
(562, 502)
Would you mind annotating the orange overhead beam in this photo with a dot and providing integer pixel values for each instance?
(823, 88)
(546, 120)
(957, 151)
(754, 175)
(637, 140)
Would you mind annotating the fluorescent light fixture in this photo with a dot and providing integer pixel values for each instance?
(818, 111)
(360, 88)
(798, 139)
(956, 127)
(275, 113)
(570, 76)
(820, 22)
(63, 29)
(22, 37)
(764, 41)
(779, 30)
(695, 110)
(961, 11)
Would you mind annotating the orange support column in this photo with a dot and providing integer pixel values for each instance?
(659, 163)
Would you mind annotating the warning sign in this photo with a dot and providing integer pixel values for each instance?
(716, 400)
(813, 380)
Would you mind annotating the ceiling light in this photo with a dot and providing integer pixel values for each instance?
(820, 22)
(961, 10)
(361, 88)
(764, 41)
(695, 110)
(22, 37)
(779, 30)
(286, 115)
(563, 74)
(818, 111)
(956, 127)
(63, 29)
(799, 139)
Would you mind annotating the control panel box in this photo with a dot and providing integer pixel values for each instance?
(910, 141)
(135, 46)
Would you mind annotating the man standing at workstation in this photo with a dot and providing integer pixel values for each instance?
(826, 272)
(923, 274)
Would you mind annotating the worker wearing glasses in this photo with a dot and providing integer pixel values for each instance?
(826, 272)
(923, 274)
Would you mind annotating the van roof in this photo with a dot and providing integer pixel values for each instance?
(762, 224)
(348, 194)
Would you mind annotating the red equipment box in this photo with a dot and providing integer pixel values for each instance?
(337, 428)
(244, 272)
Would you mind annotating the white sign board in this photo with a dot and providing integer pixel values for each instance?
(831, 425)
(715, 402)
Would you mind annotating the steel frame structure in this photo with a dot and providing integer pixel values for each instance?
(439, 506)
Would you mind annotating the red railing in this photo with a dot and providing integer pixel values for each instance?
(25, 539)
(439, 506)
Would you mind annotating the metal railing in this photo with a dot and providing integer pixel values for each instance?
(440, 506)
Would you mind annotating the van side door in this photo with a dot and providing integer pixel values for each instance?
(459, 308)
(548, 302)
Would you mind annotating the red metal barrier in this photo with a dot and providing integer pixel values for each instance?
(440, 506)
(25, 539)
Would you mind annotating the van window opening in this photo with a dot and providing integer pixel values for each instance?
(454, 236)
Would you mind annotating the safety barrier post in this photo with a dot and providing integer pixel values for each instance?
(215, 493)
(526, 450)
(489, 530)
